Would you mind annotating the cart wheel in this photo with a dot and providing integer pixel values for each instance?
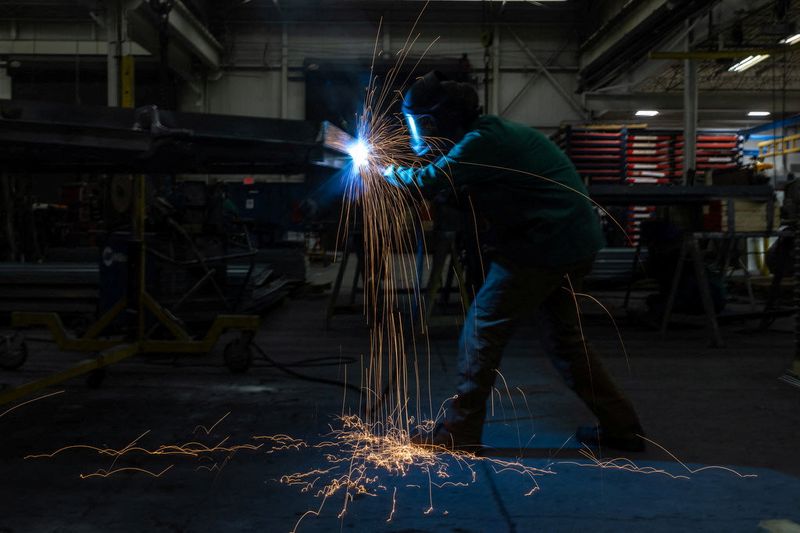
(95, 378)
(238, 356)
(13, 351)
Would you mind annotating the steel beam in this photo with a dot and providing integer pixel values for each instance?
(144, 31)
(195, 36)
(631, 16)
(537, 73)
(711, 55)
(189, 39)
(569, 98)
(723, 13)
(70, 49)
(707, 101)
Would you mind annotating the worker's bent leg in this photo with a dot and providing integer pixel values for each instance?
(506, 295)
(580, 367)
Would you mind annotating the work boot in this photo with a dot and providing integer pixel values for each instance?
(596, 436)
(443, 435)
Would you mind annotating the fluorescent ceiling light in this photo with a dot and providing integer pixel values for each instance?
(758, 114)
(791, 39)
(646, 113)
(748, 62)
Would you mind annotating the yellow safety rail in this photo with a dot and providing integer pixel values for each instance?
(779, 146)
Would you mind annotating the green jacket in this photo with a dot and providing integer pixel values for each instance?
(524, 186)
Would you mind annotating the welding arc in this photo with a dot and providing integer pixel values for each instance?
(387, 389)
(286, 369)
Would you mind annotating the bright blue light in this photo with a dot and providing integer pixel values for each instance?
(419, 146)
(359, 153)
(412, 127)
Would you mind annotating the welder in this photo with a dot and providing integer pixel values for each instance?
(544, 235)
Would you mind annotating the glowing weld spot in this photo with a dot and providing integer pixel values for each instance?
(359, 153)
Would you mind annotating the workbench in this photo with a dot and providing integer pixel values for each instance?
(46, 139)
(698, 195)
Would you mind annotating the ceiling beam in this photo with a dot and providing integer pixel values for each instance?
(70, 48)
(195, 36)
(723, 14)
(189, 39)
(722, 101)
(632, 15)
(710, 55)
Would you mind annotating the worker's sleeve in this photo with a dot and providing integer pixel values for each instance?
(460, 166)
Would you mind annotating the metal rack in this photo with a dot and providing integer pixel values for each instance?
(54, 138)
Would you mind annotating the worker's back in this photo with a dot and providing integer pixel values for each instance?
(531, 194)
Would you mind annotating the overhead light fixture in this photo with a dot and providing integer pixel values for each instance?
(758, 114)
(748, 62)
(646, 113)
(792, 39)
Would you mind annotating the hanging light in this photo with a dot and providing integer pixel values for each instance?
(748, 62)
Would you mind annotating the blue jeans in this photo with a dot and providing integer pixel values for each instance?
(507, 296)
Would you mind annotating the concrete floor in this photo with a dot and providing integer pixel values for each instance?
(706, 406)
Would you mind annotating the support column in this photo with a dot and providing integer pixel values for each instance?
(284, 72)
(7, 198)
(690, 98)
(495, 108)
(128, 81)
(5, 84)
(127, 64)
(112, 61)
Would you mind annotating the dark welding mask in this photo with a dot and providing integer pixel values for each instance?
(420, 128)
(436, 107)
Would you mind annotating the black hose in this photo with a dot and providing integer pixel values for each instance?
(286, 369)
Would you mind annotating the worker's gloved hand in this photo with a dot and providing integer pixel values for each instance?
(393, 176)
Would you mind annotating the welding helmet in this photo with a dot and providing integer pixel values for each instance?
(436, 107)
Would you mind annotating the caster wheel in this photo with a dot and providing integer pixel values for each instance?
(95, 378)
(238, 356)
(13, 351)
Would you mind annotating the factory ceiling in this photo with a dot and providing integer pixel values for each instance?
(437, 11)
(213, 11)
(760, 29)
